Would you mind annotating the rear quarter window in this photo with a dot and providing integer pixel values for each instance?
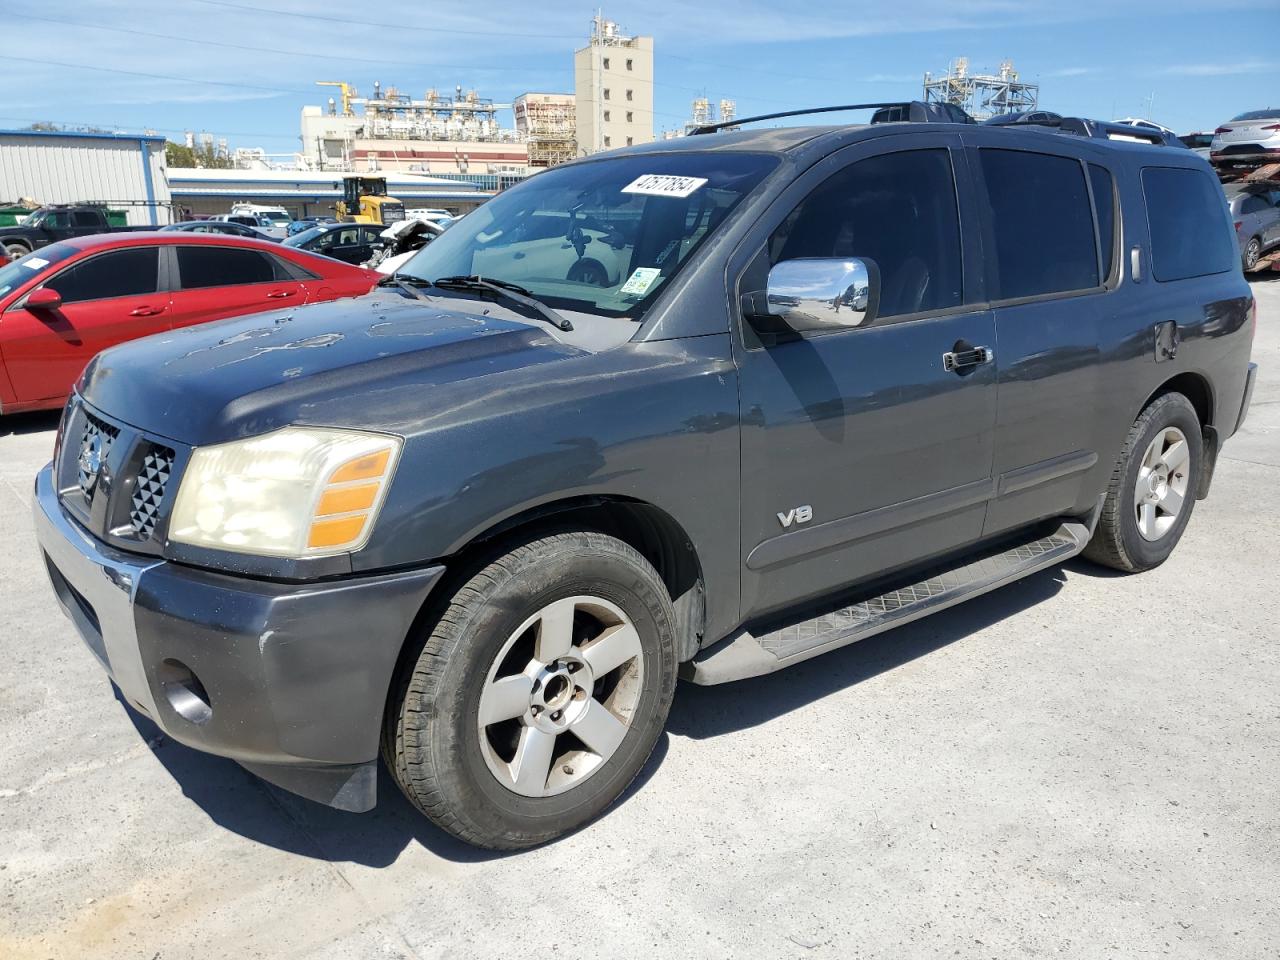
(1187, 219)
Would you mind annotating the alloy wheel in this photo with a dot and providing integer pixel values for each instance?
(1161, 488)
(560, 696)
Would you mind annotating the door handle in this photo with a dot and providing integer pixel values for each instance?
(964, 356)
(280, 294)
(145, 311)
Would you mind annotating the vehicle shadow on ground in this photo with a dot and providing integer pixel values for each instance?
(20, 424)
(238, 801)
(702, 712)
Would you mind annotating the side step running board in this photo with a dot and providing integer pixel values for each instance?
(748, 655)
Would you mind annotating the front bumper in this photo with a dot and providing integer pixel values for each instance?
(287, 679)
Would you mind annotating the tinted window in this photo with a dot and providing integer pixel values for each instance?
(15, 274)
(1104, 201)
(898, 210)
(82, 218)
(1254, 205)
(121, 273)
(1044, 239)
(224, 266)
(1186, 216)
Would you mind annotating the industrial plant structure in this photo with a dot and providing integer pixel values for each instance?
(613, 77)
(981, 95)
(547, 123)
(438, 134)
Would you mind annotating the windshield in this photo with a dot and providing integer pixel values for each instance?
(1259, 114)
(600, 237)
(15, 274)
(277, 219)
(305, 236)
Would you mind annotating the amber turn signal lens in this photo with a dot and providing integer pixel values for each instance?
(335, 532)
(347, 499)
(368, 467)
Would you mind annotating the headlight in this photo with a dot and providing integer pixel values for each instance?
(297, 492)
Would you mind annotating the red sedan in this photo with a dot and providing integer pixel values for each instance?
(66, 302)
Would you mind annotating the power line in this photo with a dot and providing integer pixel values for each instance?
(151, 76)
(271, 50)
(397, 26)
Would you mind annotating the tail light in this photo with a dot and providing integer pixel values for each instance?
(1272, 126)
(1239, 224)
(1221, 130)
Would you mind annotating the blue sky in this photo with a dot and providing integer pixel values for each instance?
(244, 68)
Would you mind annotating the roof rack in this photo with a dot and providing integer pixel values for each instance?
(893, 111)
(1101, 130)
(916, 111)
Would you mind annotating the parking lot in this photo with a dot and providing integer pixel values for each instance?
(1081, 764)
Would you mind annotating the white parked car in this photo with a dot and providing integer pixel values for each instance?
(1251, 136)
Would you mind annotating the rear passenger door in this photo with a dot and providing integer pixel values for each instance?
(1048, 278)
(213, 282)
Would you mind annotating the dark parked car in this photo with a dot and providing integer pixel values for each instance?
(482, 518)
(65, 302)
(50, 224)
(221, 227)
(348, 242)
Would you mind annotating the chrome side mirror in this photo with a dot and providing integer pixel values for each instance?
(824, 293)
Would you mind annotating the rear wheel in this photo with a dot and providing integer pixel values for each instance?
(1252, 252)
(538, 694)
(1153, 488)
(16, 251)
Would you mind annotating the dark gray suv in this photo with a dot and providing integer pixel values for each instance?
(756, 395)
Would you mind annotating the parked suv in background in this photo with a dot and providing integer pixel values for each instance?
(845, 377)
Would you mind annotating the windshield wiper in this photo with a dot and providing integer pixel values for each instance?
(507, 291)
(408, 283)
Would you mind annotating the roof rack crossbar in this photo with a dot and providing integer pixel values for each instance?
(713, 127)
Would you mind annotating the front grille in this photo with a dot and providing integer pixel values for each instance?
(95, 445)
(115, 479)
(149, 490)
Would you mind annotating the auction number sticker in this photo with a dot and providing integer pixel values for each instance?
(34, 263)
(664, 185)
(640, 281)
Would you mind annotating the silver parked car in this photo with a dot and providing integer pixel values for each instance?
(1255, 211)
(1251, 136)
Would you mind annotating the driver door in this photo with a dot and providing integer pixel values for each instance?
(107, 298)
(861, 451)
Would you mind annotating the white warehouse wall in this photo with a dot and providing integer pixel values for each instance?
(126, 172)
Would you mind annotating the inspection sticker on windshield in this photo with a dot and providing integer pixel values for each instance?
(640, 281)
(34, 263)
(664, 185)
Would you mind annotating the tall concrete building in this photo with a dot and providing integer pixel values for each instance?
(613, 77)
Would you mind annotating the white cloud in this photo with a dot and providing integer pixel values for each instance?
(1233, 69)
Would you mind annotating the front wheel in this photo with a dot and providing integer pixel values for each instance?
(538, 694)
(1152, 489)
(16, 251)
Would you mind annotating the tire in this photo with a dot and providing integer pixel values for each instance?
(1137, 533)
(1252, 251)
(590, 272)
(16, 251)
(470, 777)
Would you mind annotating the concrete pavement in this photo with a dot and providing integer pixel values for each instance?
(1081, 764)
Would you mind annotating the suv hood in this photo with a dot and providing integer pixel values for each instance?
(246, 376)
